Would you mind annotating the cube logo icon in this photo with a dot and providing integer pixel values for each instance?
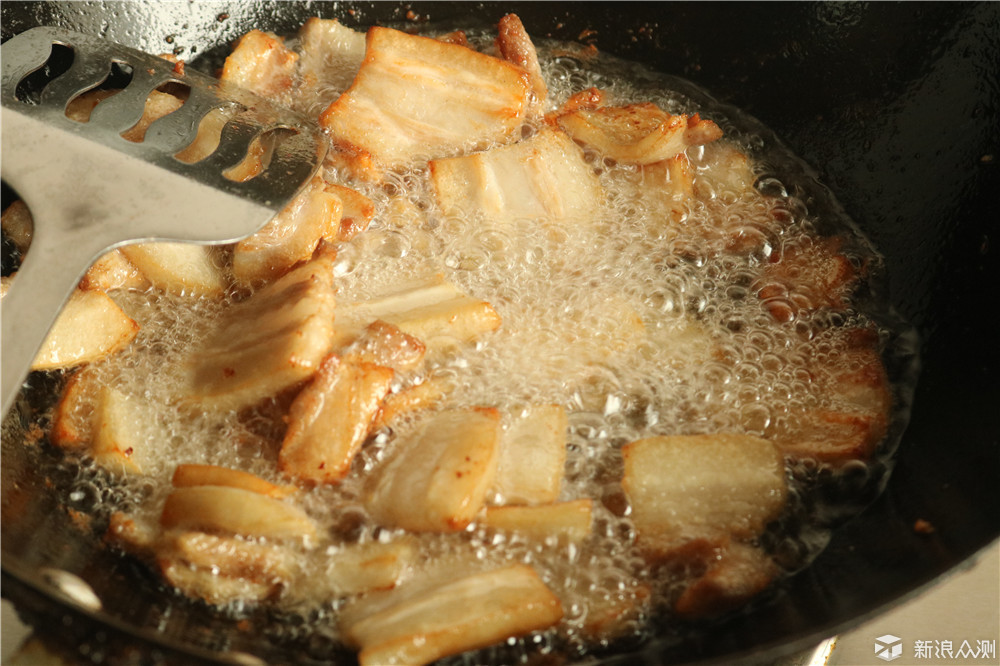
(888, 647)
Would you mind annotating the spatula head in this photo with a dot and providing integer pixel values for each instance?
(47, 153)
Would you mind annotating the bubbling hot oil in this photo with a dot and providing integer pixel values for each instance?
(623, 321)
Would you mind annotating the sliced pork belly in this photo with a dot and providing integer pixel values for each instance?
(694, 488)
(464, 614)
(418, 98)
(438, 479)
(290, 237)
(542, 177)
(807, 276)
(262, 64)
(532, 456)
(637, 133)
(91, 326)
(857, 418)
(434, 311)
(276, 338)
(330, 419)
(331, 55)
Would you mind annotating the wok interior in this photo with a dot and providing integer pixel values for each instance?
(886, 102)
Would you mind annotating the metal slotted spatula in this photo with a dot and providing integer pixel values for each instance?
(90, 190)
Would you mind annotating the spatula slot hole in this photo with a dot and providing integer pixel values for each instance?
(82, 106)
(209, 134)
(259, 154)
(29, 89)
(163, 101)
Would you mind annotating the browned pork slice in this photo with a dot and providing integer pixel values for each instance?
(290, 237)
(411, 399)
(515, 46)
(857, 417)
(418, 98)
(637, 133)
(330, 419)
(438, 478)
(273, 340)
(91, 326)
(692, 487)
(464, 614)
(386, 345)
(542, 177)
(261, 63)
(221, 569)
(807, 276)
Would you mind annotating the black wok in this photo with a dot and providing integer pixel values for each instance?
(897, 107)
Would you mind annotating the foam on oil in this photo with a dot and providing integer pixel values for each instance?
(635, 321)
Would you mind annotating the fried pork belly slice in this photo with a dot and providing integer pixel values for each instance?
(515, 46)
(856, 422)
(221, 569)
(330, 419)
(113, 271)
(384, 344)
(637, 133)
(417, 98)
(411, 399)
(73, 418)
(685, 486)
(432, 310)
(261, 63)
(229, 510)
(541, 177)
(204, 583)
(740, 573)
(357, 211)
(120, 441)
(290, 237)
(189, 474)
(567, 520)
(364, 567)
(438, 478)
(90, 327)
(331, 55)
(273, 340)
(469, 613)
(532, 456)
(178, 268)
(810, 275)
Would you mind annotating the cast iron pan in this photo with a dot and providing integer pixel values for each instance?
(897, 108)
